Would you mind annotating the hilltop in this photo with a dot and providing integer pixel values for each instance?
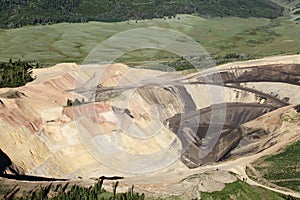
(16, 13)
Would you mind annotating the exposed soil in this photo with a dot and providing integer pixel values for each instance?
(222, 137)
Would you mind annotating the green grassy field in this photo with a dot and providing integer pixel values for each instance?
(51, 44)
(233, 191)
(282, 169)
(241, 191)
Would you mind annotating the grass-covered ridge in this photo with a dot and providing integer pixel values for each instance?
(64, 42)
(16, 13)
(243, 191)
(282, 169)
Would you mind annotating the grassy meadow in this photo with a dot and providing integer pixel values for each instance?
(242, 191)
(72, 42)
(282, 169)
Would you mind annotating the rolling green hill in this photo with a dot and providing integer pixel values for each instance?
(282, 169)
(72, 42)
(16, 13)
(243, 191)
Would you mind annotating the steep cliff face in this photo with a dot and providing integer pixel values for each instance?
(129, 121)
(212, 131)
(44, 137)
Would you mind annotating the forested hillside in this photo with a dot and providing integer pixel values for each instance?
(15, 74)
(16, 13)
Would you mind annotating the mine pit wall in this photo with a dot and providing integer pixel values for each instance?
(24, 149)
(277, 89)
(187, 100)
(54, 152)
(6, 165)
(289, 73)
(198, 147)
(246, 100)
(168, 100)
(188, 112)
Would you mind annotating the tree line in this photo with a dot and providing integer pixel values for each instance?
(17, 13)
(74, 192)
(15, 74)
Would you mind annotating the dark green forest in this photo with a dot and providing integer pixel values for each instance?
(16, 13)
(15, 74)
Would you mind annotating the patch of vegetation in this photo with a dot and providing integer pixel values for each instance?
(165, 198)
(94, 192)
(12, 94)
(61, 43)
(282, 169)
(115, 95)
(76, 102)
(242, 191)
(290, 7)
(290, 4)
(15, 94)
(237, 190)
(15, 74)
(250, 174)
(180, 65)
(291, 184)
(291, 118)
(3, 190)
(297, 12)
(231, 57)
(16, 13)
(141, 57)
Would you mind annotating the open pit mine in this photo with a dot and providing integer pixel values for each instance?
(87, 121)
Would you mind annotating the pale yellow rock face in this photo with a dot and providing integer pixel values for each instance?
(43, 137)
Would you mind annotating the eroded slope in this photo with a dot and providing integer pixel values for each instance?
(138, 121)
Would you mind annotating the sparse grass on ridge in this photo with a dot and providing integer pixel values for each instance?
(282, 169)
(241, 191)
(52, 44)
